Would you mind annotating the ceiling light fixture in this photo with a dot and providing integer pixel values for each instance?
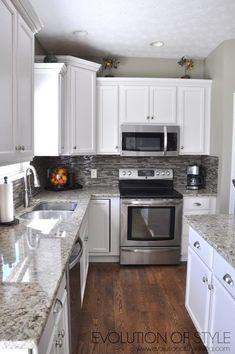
(157, 44)
(80, 33)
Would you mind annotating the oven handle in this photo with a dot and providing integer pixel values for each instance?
(165, 140)
(155, 202)
(136, 250)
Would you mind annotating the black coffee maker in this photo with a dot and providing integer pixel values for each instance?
(195, 177)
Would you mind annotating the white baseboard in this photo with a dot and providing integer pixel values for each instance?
(104, 259)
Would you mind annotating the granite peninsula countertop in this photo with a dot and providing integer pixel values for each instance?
(218, 231)
(32, 264)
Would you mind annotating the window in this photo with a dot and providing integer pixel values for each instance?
(13, 172)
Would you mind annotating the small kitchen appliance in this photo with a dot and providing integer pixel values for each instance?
(151, 217)
(195, 177)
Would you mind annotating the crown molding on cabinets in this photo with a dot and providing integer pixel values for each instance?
(26, 10)
(151, 81)
(70, 60)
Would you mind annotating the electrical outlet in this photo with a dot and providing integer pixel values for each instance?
(93, 173)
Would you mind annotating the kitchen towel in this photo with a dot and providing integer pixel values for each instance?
(6, 202)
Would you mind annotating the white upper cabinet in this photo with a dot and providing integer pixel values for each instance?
(8, 32)
(83, 111)
(134, 104)
(49, 116)
(72, 100)
(163, 104)
(107, 120)
(16, 84)
(25, 62)
(194, 119)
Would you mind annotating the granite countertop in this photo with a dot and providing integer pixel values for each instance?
(33, 258)
(218, 231)
(204, 192)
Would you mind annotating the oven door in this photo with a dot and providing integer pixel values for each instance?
(151, 222)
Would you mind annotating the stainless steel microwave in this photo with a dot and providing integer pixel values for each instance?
(149, 140)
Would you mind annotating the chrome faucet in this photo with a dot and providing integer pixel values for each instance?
(27, 189)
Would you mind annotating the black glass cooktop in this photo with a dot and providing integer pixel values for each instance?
(157, 193)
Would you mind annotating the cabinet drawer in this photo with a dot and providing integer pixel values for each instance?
(224, 272)
(201, 247)
(196, 203)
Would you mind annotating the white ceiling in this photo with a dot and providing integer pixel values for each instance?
(125, 28)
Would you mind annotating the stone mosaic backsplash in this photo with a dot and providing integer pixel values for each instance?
(108, 166)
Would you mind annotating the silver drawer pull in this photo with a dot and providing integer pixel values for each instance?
(61, 333)
(58, 306)
(197, 245)
(197, 204)
(210, 287)
(228, 279)
(205, 280)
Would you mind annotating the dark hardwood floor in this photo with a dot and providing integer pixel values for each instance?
(136, 310)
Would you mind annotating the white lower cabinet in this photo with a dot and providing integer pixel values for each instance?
(104, 229)
(99, 226)
(194, 206)
(210, 295)
(84, 262)
(222, 323)
(197, 294)
(55, 338)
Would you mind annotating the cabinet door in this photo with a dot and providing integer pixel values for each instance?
(222, 319)
(8, 22)
(63, 328)
(107, 118)
(25, 61)
(134, 104)
(197, 299)
(163, 105)
(99, 228)
(194, 119)
(83, 110)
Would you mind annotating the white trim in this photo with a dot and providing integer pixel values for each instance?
(70, 60)
(26, 10)
(13, 172)
(232, 188)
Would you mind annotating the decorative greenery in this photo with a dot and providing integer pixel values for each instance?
(187, 63)
(110, 63)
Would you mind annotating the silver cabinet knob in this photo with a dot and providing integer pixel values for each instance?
(148, 117)
(197, 204)
(152, 117)
(22, 147)
(182, 147)
(75, 147)
(59, 343)
(116, 147)
(197, 245)
(228, 279)
(19, 148)
(204, 279)
(61, 333)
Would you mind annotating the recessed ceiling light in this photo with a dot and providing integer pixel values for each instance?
(157, 44)
(80, 33)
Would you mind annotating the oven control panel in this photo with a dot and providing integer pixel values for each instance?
(146, 173)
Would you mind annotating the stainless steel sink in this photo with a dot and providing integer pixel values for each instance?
(56, 206)
(47, 214)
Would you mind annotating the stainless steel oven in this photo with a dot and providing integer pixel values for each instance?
(151, 217)
(149, 140)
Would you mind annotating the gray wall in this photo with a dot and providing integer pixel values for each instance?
(153, 67)
(219, 67)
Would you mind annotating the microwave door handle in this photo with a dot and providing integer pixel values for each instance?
(165, 140)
